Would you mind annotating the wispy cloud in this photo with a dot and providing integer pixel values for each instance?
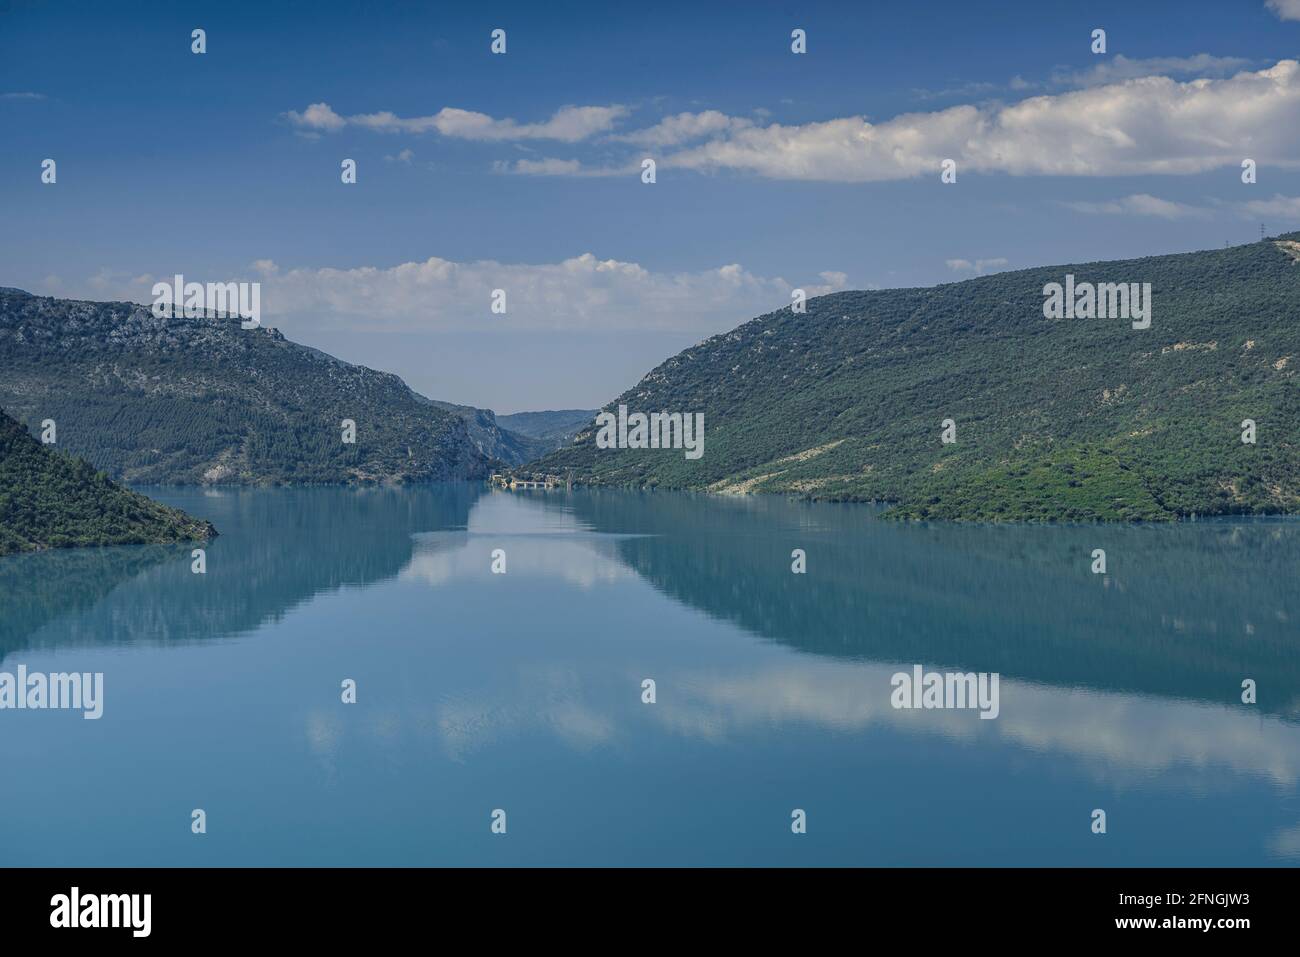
(1139, 204)
(978, 267)
(558, 167)
(1277, 206)
(569, 124)
(1285, 208)
(1285, 9)
(22, 96)
(683, 128)
(963, 90)
(1113, 70)
(1120, 68)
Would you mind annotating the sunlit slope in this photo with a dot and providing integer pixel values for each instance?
(1069, 419)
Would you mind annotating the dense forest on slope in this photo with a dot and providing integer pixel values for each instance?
(179, 400)
(49, 500)
(1056, 419)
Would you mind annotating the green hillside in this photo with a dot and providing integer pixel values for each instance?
(188, 401)
(49, 500)
(1056, 420)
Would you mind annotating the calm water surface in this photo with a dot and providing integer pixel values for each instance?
(522, 691)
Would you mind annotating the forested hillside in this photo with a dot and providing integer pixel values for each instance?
(49, 500)
(179, 400)
(1055, 419)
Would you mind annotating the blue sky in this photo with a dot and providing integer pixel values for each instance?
(522, 172)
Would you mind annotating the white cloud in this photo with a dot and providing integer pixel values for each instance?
(972, 89)
(1124, 121)
(684, 127)
(1285, 9)
(579, 293)
(557, 167)
(404, 156)
(317, 116)
(22, 96)
(1140, 204)
(569, 124)
(121, 285)
(1278, 207)
(1114, 70)
(978, 267)
(1119, 68)
(1152, 125)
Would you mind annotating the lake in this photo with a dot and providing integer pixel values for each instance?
(523, 692)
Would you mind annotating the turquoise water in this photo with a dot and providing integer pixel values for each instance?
(523, 691)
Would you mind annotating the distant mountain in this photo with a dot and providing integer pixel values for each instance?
(1055, 419)
(521, 437)
(50, 500)
(509, 446)
(556, 427)
(194, 401)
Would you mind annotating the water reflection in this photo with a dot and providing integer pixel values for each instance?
(1119, 690)
(276, 549)
(1187, 610)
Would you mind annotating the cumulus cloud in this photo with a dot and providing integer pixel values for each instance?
(579, 293)
(1150, 125)
(1285, 9)
(1153, 125)
(1140, 204)
(318, 116)
(569, 124)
